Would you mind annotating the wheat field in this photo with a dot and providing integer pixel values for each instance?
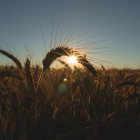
(63, 104)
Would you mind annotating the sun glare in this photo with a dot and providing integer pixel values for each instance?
(72, 59)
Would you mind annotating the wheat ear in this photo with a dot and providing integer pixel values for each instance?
(30, 81)
(36, 75)
(12, 57)
(66, 65)
(65, 51)
(54, 54)
(103, 68)
(86, 64)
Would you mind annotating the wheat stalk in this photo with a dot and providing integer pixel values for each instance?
(12, 57)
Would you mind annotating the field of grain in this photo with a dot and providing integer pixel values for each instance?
(68, 104)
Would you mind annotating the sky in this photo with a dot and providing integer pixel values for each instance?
(113, 26)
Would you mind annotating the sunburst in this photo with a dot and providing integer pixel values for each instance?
(72, 59)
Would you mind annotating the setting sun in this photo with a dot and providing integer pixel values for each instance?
(72, 59)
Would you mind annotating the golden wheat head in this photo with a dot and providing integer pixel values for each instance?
(66, 51)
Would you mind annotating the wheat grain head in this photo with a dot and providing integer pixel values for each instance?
(12, 57)
(29, 77)
(66, 51)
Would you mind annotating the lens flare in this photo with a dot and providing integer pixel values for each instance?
(65, 79)
(72, 59)
(62, 88)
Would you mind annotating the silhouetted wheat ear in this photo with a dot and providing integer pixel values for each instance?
(65, 51)
(66, 65)
(12, 57)
(103, 68)
(54, 54)
(36, 75)
(30, 81)
(87, 64)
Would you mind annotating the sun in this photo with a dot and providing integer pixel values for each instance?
(72, 59)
